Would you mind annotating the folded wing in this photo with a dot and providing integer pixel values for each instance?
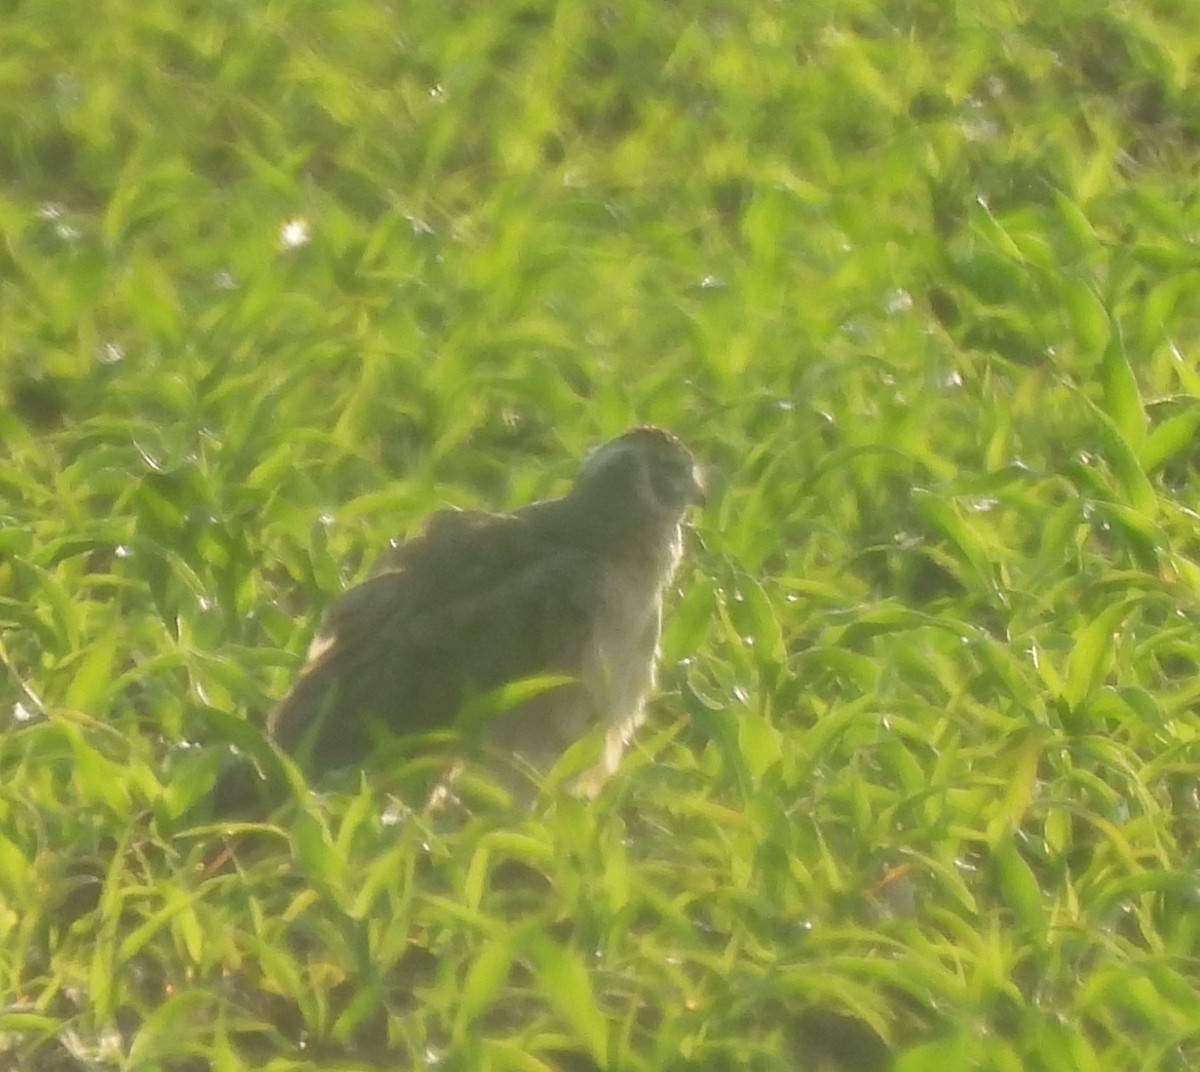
(476, 601)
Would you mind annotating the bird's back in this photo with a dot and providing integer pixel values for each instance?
(475, 601)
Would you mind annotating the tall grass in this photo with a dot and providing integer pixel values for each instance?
(918, 280)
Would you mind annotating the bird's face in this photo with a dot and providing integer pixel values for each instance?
(646, 470)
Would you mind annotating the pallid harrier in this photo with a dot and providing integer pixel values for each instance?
(569, 587)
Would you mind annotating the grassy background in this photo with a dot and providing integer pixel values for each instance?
(918, 279)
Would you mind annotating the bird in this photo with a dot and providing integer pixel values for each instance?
(566, 591)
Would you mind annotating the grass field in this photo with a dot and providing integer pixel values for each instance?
(919, 280)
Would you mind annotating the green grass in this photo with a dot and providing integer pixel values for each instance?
(918, 279)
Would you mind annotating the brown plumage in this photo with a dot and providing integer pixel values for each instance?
(570, 586)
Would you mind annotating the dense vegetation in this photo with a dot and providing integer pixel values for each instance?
(919, 279)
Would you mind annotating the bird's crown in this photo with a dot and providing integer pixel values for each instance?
(647, 467)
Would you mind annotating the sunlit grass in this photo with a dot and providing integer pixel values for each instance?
(916, 281)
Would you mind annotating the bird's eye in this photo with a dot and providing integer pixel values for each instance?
(674, 480)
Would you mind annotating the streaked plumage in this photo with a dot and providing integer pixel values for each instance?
(569, 586)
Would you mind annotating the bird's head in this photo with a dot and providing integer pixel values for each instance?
(646, 472)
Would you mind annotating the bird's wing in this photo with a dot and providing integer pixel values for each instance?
(441, 529)
(475, 601)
